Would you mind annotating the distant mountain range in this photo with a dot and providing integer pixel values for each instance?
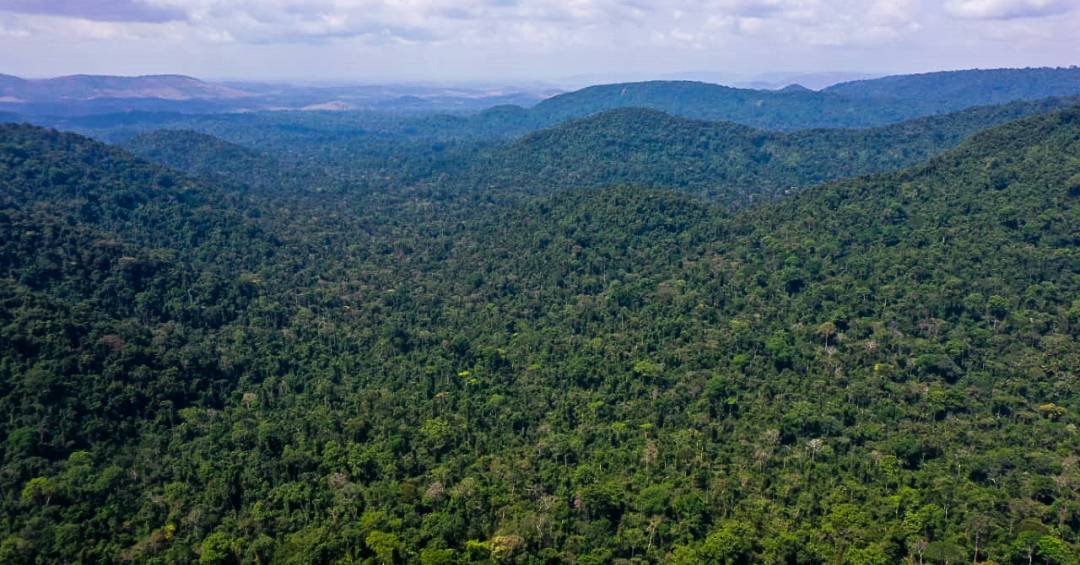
(774, 81)
(96, 94)
(865, 103)
(790, 102)
(93, 87)
(990, 86)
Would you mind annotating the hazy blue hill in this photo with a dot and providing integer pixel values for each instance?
(767, 109)
(858, 152)
(10, 82)
(83, 95)
(722, 161)
(83, 87)
(857, 104)
(894, 100)
(92, 94)
(106, 122)
(951, 90)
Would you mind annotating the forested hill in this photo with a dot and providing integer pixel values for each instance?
(872, 371)
(724, 162)
(67, 178)
(859, 104)
(193, 152)
(219, 161)
(698, 100)
(99, 249)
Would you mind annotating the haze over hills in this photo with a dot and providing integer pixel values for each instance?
(758, 81)
(857, 104)
(813, 81)
(720, 161)
(90, 87)
(96, 94)
(385, 145)
(865, 103)
(991, 86)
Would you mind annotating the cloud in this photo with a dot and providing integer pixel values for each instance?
(825, 23)
(96, 10)
(287, 21)
(532, 23)
(752, 8)
(64, 29)
(528, 37)
(1006, 9)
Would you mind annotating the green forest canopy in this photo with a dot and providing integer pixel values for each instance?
(869, 371)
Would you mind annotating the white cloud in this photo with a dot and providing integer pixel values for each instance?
(409, 20)
(529, 37)
(508, 22)
(8, 30)
(96, 10)
(1006, 9)
(809, 22)
(70, 29)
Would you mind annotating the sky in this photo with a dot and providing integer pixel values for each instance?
(527, 40)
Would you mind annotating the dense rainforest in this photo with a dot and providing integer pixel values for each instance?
(585, 344)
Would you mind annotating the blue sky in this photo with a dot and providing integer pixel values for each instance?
(526, 40)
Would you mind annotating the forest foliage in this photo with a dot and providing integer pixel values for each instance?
(879, 369)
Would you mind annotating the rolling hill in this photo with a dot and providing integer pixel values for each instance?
(857, 104)
(211, 159)
(724, 162)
